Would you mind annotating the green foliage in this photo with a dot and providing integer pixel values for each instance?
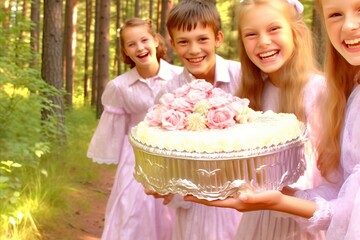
(23, 133)
(47, 189)
(10, 186)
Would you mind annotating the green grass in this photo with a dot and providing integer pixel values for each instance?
(46, 195)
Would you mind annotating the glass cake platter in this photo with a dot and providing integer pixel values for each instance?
(220, 175)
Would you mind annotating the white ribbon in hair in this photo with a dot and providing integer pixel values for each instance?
(298, 5)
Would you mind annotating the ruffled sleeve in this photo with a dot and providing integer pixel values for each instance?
(341, 214)
(346, 209)
(107, 141)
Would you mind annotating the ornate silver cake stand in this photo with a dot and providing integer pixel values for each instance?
(219, 175)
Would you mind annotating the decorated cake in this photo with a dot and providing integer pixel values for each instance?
(203, 141)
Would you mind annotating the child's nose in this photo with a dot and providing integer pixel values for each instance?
(194, 48)
(140, 46)
(264, 40)
(351, 23)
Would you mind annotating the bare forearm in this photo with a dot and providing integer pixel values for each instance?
(297, 206)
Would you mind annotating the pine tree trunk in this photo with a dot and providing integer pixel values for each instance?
(103, 60)
(51, 68)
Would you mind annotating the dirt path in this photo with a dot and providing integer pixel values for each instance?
(90, 220)
(86, 218)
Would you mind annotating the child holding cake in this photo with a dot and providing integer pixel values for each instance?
(276, 77)
(338, 149)
(130, 214)
(195, 30)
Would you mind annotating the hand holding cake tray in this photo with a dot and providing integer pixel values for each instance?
(202, 141)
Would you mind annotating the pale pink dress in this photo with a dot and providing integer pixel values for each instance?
(341, 215)
(272, 225)
(196, 221)
(130, 213)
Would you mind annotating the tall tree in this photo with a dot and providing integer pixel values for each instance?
(35, 32)
(51, 68)
(103, 56)
(87, 46)
(6, 10)
(151, 7)
(137, 8)
(319, 31)
(117, 61)
(94, 82)
(167, 5)
(69, 49)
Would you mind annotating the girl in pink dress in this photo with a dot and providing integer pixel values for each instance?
(276, 77)
(339, 154)
(130, 213)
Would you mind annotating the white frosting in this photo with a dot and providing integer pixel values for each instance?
(265, 130)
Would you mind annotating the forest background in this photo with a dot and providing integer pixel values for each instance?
(55, 60)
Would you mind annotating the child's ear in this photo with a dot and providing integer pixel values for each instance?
(172, 43)
(219, 39)
(156, 42)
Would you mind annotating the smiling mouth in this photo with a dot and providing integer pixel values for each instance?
(195, 60)
(143, 55)
(268, 55)
(353, 43)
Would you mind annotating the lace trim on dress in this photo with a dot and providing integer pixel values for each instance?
(322, 216)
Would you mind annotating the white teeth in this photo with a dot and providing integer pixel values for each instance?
(352, 41)
(268, 54)
(142, 54)
(195, 60)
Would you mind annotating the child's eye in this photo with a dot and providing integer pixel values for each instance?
(182, 42)
(204, 39)
(274, 28)
(247, 35)
(334, 14)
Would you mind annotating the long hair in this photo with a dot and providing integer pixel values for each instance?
(161, 49)
(341, 77)
(296, 71)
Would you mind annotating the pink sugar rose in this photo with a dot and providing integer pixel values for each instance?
(195, 96)
(182, 91)
(154, 115)
(220, 118)
(201, 85)
(218, 92)
(181, 104)
(219, 101)
(167, 99)
(237, 107)
(173, 120)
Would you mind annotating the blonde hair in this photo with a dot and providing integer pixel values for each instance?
(161, 49)
(341, 77)
(188, 13)
(295, 72)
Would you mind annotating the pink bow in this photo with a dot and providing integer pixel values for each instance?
(298, 5)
